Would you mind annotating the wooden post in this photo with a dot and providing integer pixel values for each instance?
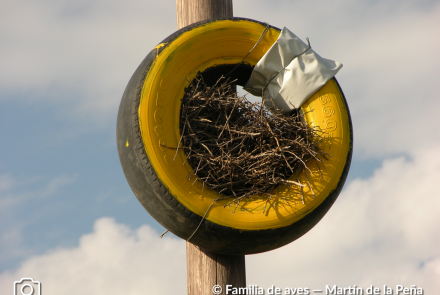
(191, 11)
(206, 269)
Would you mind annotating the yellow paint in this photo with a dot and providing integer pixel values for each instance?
(226, 42)
(160, 46)
(126, 144)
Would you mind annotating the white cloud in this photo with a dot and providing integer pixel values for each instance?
(390, 76)
(57, 182)
(78, 55)
(11, 188)
(16, 196)
(113, 259)
(382, 230)
(6, 182)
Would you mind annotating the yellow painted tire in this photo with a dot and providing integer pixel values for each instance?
(162, 180)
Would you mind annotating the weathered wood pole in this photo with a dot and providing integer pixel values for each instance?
(191, 11)
(206, 269)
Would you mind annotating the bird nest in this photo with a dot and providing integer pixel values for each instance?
(242, 149)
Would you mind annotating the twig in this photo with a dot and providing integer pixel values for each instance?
(241, 149)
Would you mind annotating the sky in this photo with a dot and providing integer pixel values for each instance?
(69, 219)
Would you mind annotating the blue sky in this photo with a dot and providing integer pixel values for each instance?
(69, 218)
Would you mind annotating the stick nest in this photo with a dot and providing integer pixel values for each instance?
(241, 149)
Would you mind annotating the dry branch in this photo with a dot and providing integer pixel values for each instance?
(239, 148)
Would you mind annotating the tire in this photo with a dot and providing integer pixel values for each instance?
(148, 118)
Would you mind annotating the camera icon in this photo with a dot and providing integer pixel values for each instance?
(27, 286)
